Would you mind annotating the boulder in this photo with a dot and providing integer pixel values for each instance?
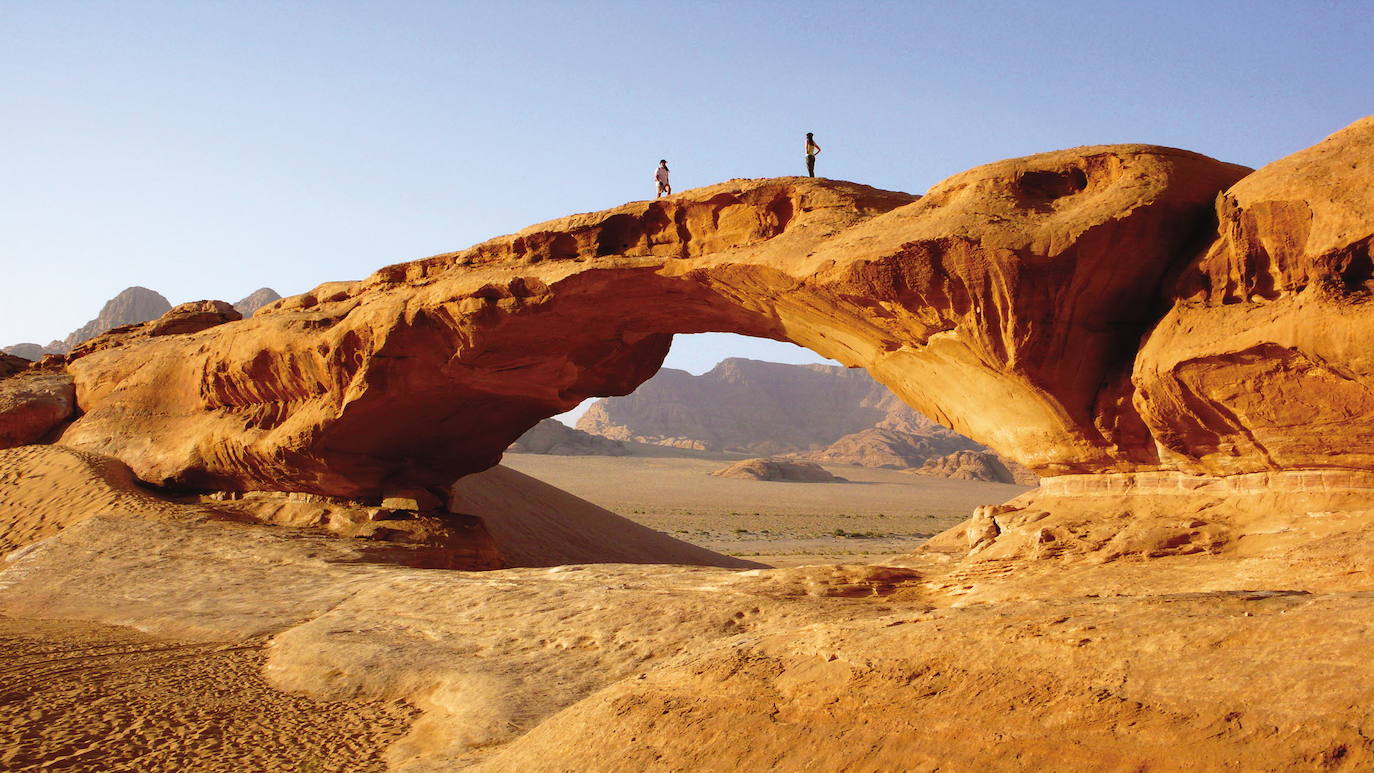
(32, 404)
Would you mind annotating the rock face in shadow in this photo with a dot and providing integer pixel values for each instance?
(999, 304)
(779, 470)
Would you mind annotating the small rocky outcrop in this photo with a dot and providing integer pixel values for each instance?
(552, 436)
(979, 466)
(186, 318)
(789, 470)
(890, 448)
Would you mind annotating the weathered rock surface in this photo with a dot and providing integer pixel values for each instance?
(551, 436)
(976, 465)
(33, 403)
(256, 300)
(999, 304)
(779, 470)
(1253, 651)
(1264, 360)
(131, 306)
(184, 319)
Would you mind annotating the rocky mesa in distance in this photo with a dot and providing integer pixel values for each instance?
(133, 305)
(818, 412)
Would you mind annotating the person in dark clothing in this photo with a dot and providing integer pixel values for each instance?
(812, 150)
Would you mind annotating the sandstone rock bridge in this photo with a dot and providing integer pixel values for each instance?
(1103, 309)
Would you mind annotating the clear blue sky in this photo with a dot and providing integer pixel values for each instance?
(205, 149)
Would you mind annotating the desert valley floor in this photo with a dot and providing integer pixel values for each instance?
(876, 515)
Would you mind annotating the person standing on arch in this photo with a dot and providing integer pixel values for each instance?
(812, 150)
(661, 175)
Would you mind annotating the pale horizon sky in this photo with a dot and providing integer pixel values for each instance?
(208, 149)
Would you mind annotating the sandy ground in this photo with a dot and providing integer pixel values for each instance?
(87, 697)
(877, 515)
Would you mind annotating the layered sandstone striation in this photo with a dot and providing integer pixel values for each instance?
(1001, 304)
(1263, 361)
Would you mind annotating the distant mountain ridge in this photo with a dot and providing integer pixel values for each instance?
(131, 306)
(822, 413)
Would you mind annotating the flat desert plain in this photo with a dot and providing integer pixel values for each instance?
(877, 514)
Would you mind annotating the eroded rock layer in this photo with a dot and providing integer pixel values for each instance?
(1266, 359)
(1006, 303)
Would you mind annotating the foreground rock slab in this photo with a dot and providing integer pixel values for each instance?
(954, 661)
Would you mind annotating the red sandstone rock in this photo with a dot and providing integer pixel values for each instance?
(1264, 361)
(32, 404)
(184, 319)
(1002, 304)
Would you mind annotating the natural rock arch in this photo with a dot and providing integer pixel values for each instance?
(1010, 303)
